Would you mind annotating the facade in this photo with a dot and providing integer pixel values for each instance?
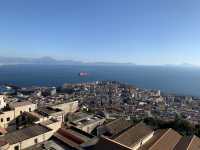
(6, 117)
(53, 124)
(86, 122)
(16, 109)
(2, 101)
(69, 107)
(49, 112)
(20, 107)
(24, 138)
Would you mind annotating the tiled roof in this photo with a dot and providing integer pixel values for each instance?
(24, 134)
(118, 126)
(157, 135)
(188, 143)
(133, 135)
(107, 144)
(167, 141)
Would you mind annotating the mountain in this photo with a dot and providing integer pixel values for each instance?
(182, 65)
(52, 61)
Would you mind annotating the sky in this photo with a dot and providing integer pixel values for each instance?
(150, 32)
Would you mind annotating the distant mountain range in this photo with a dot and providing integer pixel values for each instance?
(51, 61)
(182, 65)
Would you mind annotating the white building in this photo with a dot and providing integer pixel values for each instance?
(2, 101)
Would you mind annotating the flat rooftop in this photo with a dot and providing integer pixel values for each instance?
(74, 137)
(24, 134)
(87, 121)
(52, 144)
(48, 122)
(79, 116)
(19, 104)
(48, 111)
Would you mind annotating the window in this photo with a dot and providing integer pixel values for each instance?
(29, 109)
(1, 119)
(36, 141)
(8, 119)
(16, 147)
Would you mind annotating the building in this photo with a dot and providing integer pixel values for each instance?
(49, 91)
(165, 139)
(24, 138)
(68, 107)
(75, 139)
(20, 107)
(53, 124)
(114, 128)
(49, 112)
(105, 143)
(6, 117)
(188, 143)
(135, 136)
(86, 122)
(2, 101)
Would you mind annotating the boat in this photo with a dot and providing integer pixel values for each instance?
(83, 74)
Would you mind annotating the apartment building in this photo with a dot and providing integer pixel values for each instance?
(8, 115)
(68, 107)
(24, 138)
(86, 122)
(20, 107)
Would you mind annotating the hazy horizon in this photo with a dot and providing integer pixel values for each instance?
(12, 60)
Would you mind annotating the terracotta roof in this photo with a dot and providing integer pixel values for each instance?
(183, 143)
(188, 143)
(157, 135)
(166, 141)
(195, 143)
(3, 143)
(73, 137)
(3, 130)
(108, 144)
(118, 126)
(133, 135)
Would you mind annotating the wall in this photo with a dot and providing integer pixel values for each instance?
(90, 127)
(30, 142)
(54, 126)
(25, 108)
(4, 116)
(2, 101)
(69, 107)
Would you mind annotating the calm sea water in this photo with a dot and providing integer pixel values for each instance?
(177, 80)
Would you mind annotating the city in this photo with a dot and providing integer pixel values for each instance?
(93, 115)
(99, 75)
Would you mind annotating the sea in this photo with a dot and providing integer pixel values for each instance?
(168, 79)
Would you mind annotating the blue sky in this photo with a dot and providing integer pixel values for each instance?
(138, 31)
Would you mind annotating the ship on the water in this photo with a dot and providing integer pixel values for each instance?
(83, 74)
